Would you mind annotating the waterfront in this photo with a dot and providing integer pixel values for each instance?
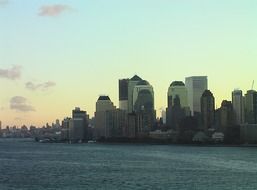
(25, 164)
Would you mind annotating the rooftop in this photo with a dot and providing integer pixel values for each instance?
(177, 83)
(103, 98)
(136, 78)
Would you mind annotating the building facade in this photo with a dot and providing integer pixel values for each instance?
(131, 85)
(251, 107)
(78, 125)
(103, 105)
(123, 94)
(238, 106)
(195, 86)
(207, 110)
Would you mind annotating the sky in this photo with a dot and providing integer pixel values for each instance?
(59, 54)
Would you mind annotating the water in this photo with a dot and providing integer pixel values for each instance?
(25, 164)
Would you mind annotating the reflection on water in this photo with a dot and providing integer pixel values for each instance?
(25, 164)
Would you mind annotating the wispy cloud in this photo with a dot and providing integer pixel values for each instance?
(41, 86)
(53, 10)
(19, 103)
(12, 73)
(4, 2)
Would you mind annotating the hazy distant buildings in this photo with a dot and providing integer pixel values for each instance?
(177, 104)
(123, 94)
(251, 107)
(143, 106)
(195, 85)
(238, 106)
(143, 96)
(177, 88)
(103, 104)
(207, 110)
(115, 123)
(78, 125)
(131, 126)
(248, 133)
(226, 115)
(131, 85)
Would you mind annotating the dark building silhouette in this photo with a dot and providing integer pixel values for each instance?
(123, 94)
(175, 114)
(251, 107)
(131, 86)
(78, 125)
(115, 123)
(225, 115)
(207, 110)
(144, 109)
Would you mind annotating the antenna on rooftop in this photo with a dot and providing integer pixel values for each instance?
(252, 84)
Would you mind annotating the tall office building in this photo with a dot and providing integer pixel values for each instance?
(208, 110)
(226, 115)
(78, 125)
(103, 105)
(115, 123)
(131, 85)
(123, 94)
(177, 104)
(238, 107)
(177, 88)
(251, 107)
(143, 106)
(143, 96)
(195, 85)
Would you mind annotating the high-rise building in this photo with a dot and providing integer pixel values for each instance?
(143, 106)
(208, 110)
(251, 107)
(103, 104)
(238, 107)
(123, 94)
(226, 115)
(195, 85)
(78, 125)
(131, 85)
(177, 104)
(177, 88)
(115, 123)
(143, 96)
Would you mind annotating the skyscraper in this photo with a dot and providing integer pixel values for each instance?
(208, 110)
(103, 104)
(177, 104)
(195, 85)
(143, 96)
(123, 94)
(226, 115)
(251, 107)
(237, 101)
(131, 85)
(143, 106)
(78, 125)
(177, 88)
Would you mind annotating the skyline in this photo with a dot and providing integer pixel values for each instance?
(61, 47)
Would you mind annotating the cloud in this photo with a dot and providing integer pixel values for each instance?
(12, 74)
(19, 103)
(42, 86)
(3, 2)
(53, 10)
